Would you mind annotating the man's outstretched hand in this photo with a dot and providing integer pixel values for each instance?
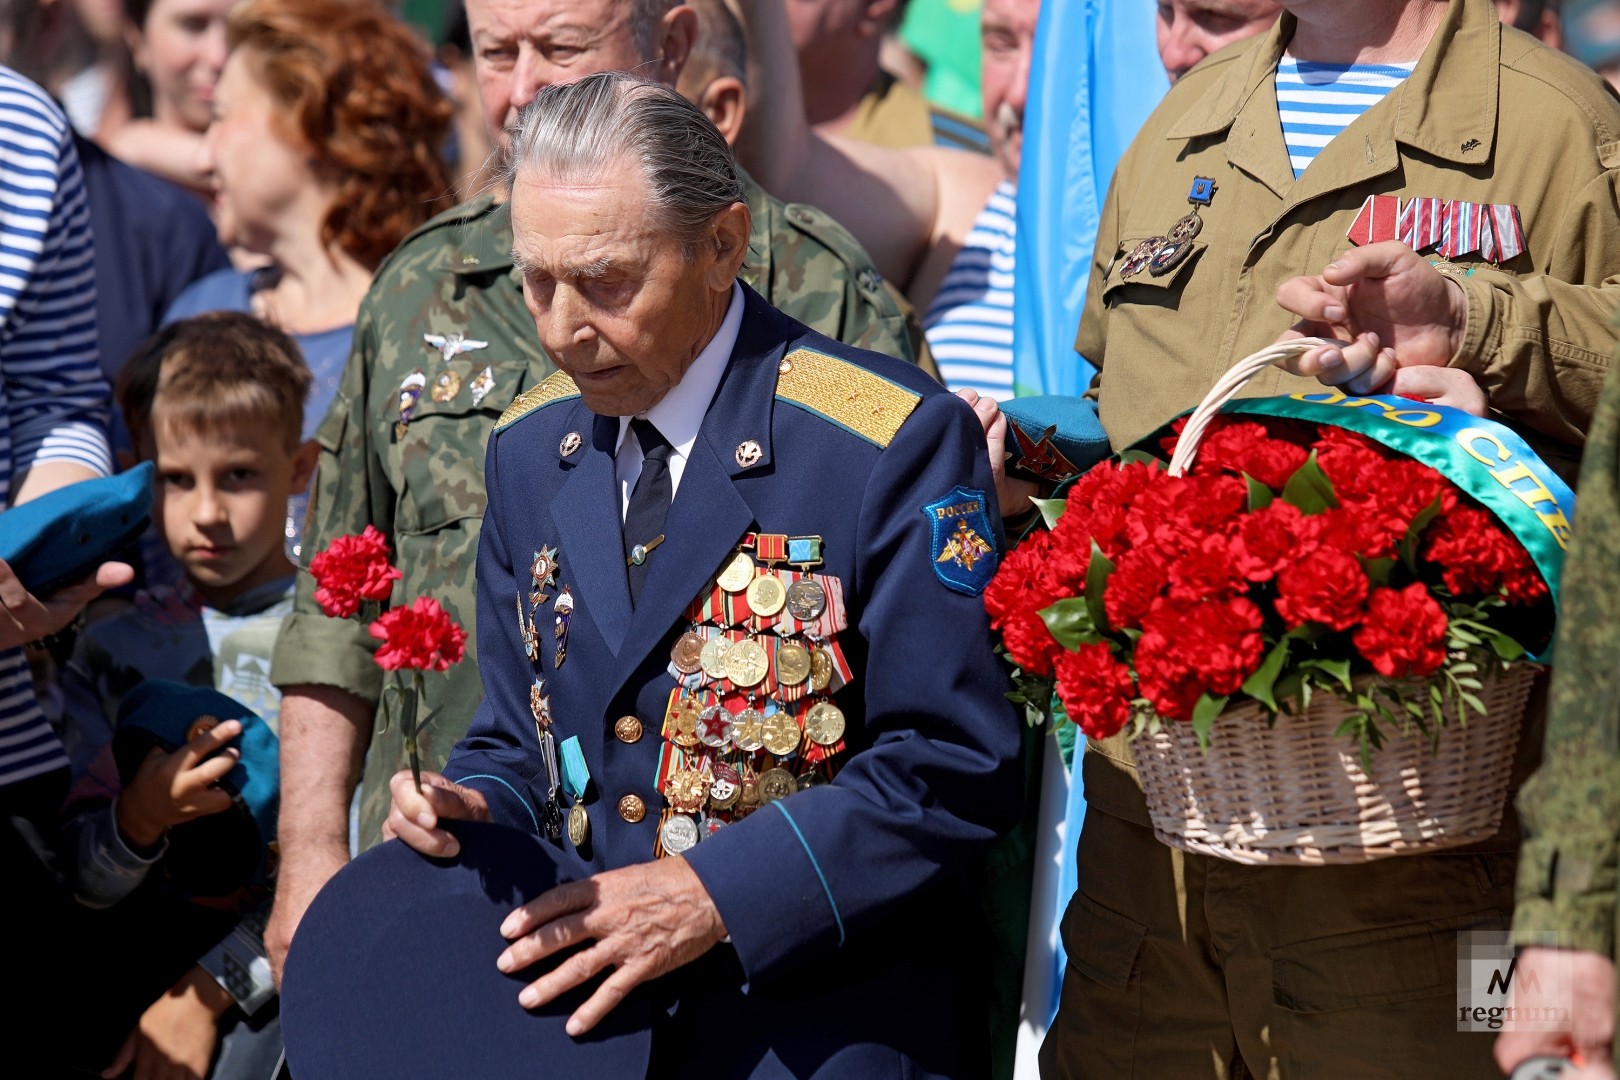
(27, 618)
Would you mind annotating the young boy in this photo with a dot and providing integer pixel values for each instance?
(216, 402)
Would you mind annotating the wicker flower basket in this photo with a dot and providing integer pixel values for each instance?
(1294, 792)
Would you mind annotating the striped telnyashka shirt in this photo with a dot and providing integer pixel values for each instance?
(970, 323)
(1317, 101)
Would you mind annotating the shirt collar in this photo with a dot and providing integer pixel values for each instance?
(679, 414)
(1462, 57)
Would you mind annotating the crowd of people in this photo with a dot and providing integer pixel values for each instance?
(582, 304)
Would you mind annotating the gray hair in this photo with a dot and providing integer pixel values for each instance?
(578, 131)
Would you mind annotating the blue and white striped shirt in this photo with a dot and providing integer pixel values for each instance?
(970, 323)
(53, 399)
(1317, 101)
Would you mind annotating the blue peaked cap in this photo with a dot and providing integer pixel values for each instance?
(61, 537)
(392, 973)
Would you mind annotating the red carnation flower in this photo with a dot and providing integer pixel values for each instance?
(1206, 572)
(353, 569)
(1096, 690)
(1166, 678)
(1018, 591)
(1246, 447)
(423, 637)
(1404, 633)
(1330, 589)
(1098, 504)
(1477, 557)
(1138, 580)
(1269, 540)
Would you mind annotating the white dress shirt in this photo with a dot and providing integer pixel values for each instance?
(679, 414)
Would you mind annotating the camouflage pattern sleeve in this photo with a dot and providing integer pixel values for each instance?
(350, 493)
(1571, 806)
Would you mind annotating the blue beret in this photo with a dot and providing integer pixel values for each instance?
(1054, 437)
(62, 537)
(392, 973)
(217, 854)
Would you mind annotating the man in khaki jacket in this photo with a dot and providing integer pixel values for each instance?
(1186, 966)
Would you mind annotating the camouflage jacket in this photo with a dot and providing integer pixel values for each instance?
(1570, 808)
(421, 483)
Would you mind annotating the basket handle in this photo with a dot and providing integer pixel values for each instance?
(1226, 388)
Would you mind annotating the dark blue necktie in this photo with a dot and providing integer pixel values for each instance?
(649, 503)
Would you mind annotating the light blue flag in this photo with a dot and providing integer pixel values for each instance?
(1095, 77)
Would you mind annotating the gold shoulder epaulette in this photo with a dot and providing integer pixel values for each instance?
(556, 387)
(846, 394)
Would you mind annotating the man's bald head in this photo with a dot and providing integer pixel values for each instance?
(1190, 30)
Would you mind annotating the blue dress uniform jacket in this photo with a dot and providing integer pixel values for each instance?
(852, 947)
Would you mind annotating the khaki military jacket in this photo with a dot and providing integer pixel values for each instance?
(1489, 116)
(422, 483)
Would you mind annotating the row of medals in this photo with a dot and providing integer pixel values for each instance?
(702, 796)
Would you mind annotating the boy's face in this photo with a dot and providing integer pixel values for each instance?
(221, 505)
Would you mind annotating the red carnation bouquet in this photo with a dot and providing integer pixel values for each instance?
(1291, 559)
(353, 573)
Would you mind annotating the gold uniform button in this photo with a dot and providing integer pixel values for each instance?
(632, 809)
(627, 729)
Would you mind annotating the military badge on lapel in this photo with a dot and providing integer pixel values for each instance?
(964, 541)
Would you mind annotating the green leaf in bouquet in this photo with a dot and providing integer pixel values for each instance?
(1378, 571)
(1309, 490)
(1260, 685)
(1205, 713)
(1337, 669)
(1051, 510)
(1505, 648)
(1137, 457)
(1260, 496)
(1069, 622)
(1409, 543)
(1097, 571)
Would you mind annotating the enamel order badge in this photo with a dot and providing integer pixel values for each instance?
(963, 548)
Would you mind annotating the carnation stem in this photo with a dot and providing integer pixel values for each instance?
(413, 695)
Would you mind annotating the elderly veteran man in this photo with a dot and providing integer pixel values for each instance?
(1250, 177)
(442, 346)
(781, 680)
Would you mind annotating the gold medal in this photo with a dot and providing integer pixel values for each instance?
(821, 669)
(748, 730)
(684, 717)
(712, 658)
(792, 663)
(686, 790)
(766, 595)
(780, 733)
(806, 599)
(824, 723)
(747, 663)
(748, 798)
(737, 573)
(776, 784)
(687, 655)
(579, 825)
(446, 386)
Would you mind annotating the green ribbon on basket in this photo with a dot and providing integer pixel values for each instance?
(1484, 458)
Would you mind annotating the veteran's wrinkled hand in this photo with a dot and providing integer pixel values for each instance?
(1391, 307)
(1012, 493)
(415, 815)
(645, 921)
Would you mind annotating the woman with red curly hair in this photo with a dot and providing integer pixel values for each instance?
(325, 150)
